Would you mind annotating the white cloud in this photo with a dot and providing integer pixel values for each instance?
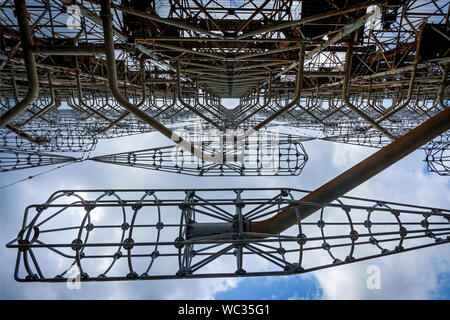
(410, 275)
(407, 275)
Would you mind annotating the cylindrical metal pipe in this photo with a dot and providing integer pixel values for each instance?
(113, 85)
(189, 107)
(298, 90)
(394, 109)
(30, 65)
(358, 174)
(266, 103)
(197, 230)
(144, 98)
(45, 109)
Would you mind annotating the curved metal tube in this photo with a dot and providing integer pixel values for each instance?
(216, 111)
(245, 104)
(356, 175)
(310, 113)
(186, 105)
(394, 109)
(335, 107)
(113, 85)
(372, 104)
(46, 109)
(71, 103)
(288, 112)
(166, 106)
(80, 100)
(30, 66)
(126, 113)
(266, 104)
(346, 91)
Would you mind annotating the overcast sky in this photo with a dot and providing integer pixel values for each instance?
(412, 275)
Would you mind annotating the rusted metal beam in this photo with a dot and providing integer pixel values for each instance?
(30, 65)
(357, 175)
(113, 85)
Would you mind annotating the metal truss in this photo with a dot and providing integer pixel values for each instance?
(375, 141)
(369, 62)
(47, 140)
(260, 155)
(438, 155)
(11, 160)
(172, 234)
(364, 72)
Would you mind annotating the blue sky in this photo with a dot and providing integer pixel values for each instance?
(303, 287)
(274, 288)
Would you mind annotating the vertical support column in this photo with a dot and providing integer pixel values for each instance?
(113, 85)
(30, 64)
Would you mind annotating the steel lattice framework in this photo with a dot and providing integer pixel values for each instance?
(360, 67)
(172, 234)
(438, 155)
(365, 72)
(16, 160)
(266, 153)
(54, 140)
